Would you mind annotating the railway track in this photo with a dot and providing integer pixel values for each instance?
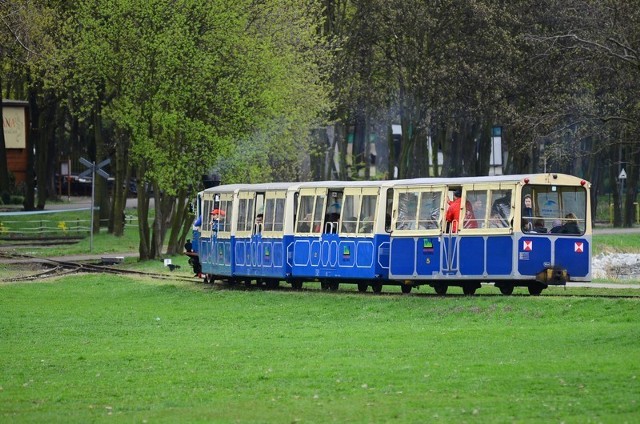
(57, 268)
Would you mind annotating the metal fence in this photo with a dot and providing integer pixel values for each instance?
(38, 224)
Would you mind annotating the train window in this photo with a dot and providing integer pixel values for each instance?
(429, 213)
(388, 211)
(349, 215)
(500, 208)
(358, 211)
(555, 209)
(476, 209)
(245, 214)
(206, 212)
(224, 222)
(419, 210)
(310, 213)
(407, 211)
(242, 214)
(318, 214)
(367, 214)
(269, 214)
(278, 218)
(305, 214)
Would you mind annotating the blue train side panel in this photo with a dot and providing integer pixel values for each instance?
(261, 257)
(538, 253)
(415, 256)
(472, 252)
(215, 256)
(450, 258)
(534, 254)
(499, 255)
(573, 254)
(332, 256)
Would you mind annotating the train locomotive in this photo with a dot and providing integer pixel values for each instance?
(531, 231)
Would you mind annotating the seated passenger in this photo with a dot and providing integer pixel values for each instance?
(538, 226)
(259, 223)
(469, 217)
(349, 225)
(497, 221)
(527, 214)
(557, 226)
(571, 224)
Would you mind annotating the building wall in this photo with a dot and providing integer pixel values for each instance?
(15, 124)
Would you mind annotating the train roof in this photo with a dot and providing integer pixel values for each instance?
(548, 178)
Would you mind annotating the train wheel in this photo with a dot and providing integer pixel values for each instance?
(506, 290)
(376, 287)
(440, 288)
(469, 290)
(247, 283)
(333, 286)
(362, 287)
(296, 285)
(406, 288)
(535, 289)
(324, 286)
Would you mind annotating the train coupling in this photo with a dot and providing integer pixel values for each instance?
(553, 275)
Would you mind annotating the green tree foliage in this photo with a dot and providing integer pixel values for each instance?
(186, 83)
(591, 53)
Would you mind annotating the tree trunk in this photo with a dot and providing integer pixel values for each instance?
(121, 186)
(469, 148)
(406, 146)
(482, 165)
(176, 240)
(613, 177)
(101, 185)
(46, 133)
(163, 206)
(633, 175)
(143, 215)
(343, 136)
(34, 134)
(359, 143)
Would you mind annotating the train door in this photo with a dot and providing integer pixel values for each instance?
(357, 253)
(204, 242)
(245, 244)
(268, 234)
(416, 227)
(308, 231)
(215, 241)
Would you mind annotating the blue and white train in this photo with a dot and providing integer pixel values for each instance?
(512, 230)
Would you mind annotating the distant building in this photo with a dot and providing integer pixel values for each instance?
(15, 125)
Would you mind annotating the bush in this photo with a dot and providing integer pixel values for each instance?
(16, 200)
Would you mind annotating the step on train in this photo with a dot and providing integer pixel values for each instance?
(530, 231)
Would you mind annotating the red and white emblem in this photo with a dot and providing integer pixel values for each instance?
(578, 247)
(527, 245)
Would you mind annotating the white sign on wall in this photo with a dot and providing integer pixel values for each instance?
(13, 125)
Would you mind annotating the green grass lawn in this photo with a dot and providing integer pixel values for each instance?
(616, 243)
(98, 348)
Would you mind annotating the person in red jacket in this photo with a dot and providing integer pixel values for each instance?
(453, 211)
